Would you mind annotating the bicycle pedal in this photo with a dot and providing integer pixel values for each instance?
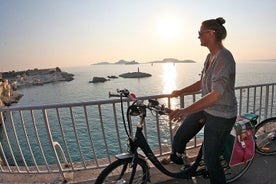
(201, 168)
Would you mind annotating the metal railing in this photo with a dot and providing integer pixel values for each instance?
(68, 137)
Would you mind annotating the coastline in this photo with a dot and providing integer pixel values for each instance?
(160, 82)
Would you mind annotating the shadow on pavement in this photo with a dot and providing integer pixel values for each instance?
(262, 171)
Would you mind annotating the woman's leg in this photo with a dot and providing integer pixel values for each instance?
(187, 130)
(215, 132)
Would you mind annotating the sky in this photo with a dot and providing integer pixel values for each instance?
(68, 33)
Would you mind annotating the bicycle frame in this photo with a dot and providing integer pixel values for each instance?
(139, 141)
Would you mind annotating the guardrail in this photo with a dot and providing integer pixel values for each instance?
(63, 138)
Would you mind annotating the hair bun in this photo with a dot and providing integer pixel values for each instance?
(220, 20)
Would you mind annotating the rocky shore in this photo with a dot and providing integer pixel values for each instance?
(7, 95)
(8, 100)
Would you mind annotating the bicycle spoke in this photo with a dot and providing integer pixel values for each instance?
(265, 136)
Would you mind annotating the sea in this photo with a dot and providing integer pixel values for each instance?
(165, 78)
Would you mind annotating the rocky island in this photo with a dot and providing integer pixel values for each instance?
(135, 75)
(98, 79)
(36, 77)
(11, 81)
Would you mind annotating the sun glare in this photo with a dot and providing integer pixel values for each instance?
(169, 27)
(169, 81)
(169, 77)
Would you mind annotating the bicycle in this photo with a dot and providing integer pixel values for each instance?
(132, 167)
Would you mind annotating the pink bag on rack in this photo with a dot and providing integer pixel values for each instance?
(241, 147)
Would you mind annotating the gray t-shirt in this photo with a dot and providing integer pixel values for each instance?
(220, 76)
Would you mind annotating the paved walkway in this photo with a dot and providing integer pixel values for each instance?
(262, 171)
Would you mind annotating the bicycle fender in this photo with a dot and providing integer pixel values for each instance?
(127, 155)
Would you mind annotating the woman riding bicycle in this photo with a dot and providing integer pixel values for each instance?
(217, 109)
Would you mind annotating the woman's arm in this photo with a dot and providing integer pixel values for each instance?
(195, 87)
(199, 105)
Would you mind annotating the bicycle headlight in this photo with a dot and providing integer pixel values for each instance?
(134, 111)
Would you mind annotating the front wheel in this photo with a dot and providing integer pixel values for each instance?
(124, 171)
(265, 137)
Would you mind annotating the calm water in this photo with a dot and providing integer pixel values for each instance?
(165, 78)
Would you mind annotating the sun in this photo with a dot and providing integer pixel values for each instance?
(169, 27)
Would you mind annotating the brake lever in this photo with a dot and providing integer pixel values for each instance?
(161, 110)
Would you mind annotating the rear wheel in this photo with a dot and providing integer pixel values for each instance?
(265, 137)
(120, 172)
(232, 173)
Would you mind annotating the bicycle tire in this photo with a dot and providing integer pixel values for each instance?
(120, 171)
(265, 137)
(232, 173)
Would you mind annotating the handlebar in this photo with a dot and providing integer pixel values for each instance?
(138, 108)
(124, 93)
(152, 105)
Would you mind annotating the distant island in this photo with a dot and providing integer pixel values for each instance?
(263, 60)
(166, 60)
(120, 62)
(172, 60)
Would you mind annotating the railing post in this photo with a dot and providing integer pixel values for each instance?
(67, 176)
(182, 101)
(52, 142)
(240, 104)
(266, 101)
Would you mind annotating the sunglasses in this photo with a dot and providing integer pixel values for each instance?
(204, 31)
